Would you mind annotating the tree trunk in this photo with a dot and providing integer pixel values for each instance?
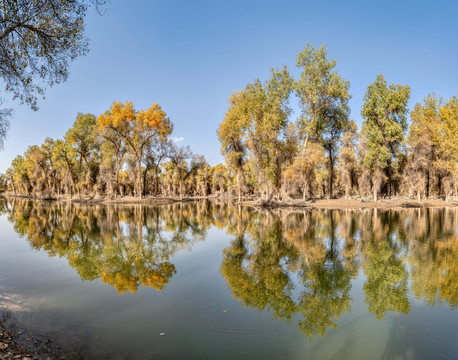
(139, 179)
(304, 145)
(427, 184)
(116, 189)
(239, 184)
(331, 174)
(144, 182)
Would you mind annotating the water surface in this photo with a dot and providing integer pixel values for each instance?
(205, 280)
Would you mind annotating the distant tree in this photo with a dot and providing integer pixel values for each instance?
(138, 130)
(268, 135)
(82, 136)
(448, 150)
(65, 159)
(385, 121)
(20, 175)
(231, 135)
(220, 178)
(113, 147)
(36, 165)
(155, 154)
(51, 171)
(179, 157)
(256, 124)
(3, 182)
(347, 158)
(424, 140)
(151, 126)
(323, 95)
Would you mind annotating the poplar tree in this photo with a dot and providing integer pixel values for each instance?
(38, 39)
(323, 96)
(385, 121)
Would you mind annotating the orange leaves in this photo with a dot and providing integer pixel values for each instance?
(117, 115)
(136, 129)
(121, 113)
(155, 118)
(124, 115)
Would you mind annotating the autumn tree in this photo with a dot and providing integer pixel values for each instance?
(231, 134)
(137, 129)
(155, 154)
(185, 163)
(20, 175)
(151, 126)
(36, 165)
(111, 126)
(424, 140)
(448, 150)
(220, 178)
(47, 149)
(65, 159)
(268, 136)
(385, 121)
(3, 182)
(82, 136)
(255, 124)
(323, 96)
(348, 163)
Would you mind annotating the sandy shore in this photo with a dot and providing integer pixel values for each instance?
(399, 203)
(394, 203)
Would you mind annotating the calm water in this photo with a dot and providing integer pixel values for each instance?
(205, 281)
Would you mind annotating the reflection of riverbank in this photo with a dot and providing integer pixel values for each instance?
(357, 204)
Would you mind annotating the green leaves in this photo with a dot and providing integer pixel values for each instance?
(37, 40)
(256, 124)
(385, 121)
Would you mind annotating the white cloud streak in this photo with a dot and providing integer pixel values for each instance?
(177, 139)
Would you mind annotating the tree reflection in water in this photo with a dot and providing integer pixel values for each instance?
(125, 246)
(298, 265)
(301, 264)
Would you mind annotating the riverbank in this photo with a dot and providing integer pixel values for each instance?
(358, 204)
(9, 349)
(341, 203)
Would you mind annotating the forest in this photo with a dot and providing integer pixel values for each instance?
(268, 155)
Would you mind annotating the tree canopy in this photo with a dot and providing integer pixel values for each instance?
(38, 40)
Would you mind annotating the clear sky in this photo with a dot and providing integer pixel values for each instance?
(190, 55)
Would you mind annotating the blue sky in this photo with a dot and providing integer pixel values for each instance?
(190, 55)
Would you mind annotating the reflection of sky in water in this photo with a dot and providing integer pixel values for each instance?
(13, 302)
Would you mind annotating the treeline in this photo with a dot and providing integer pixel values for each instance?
(121, 152)
(321, 154)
